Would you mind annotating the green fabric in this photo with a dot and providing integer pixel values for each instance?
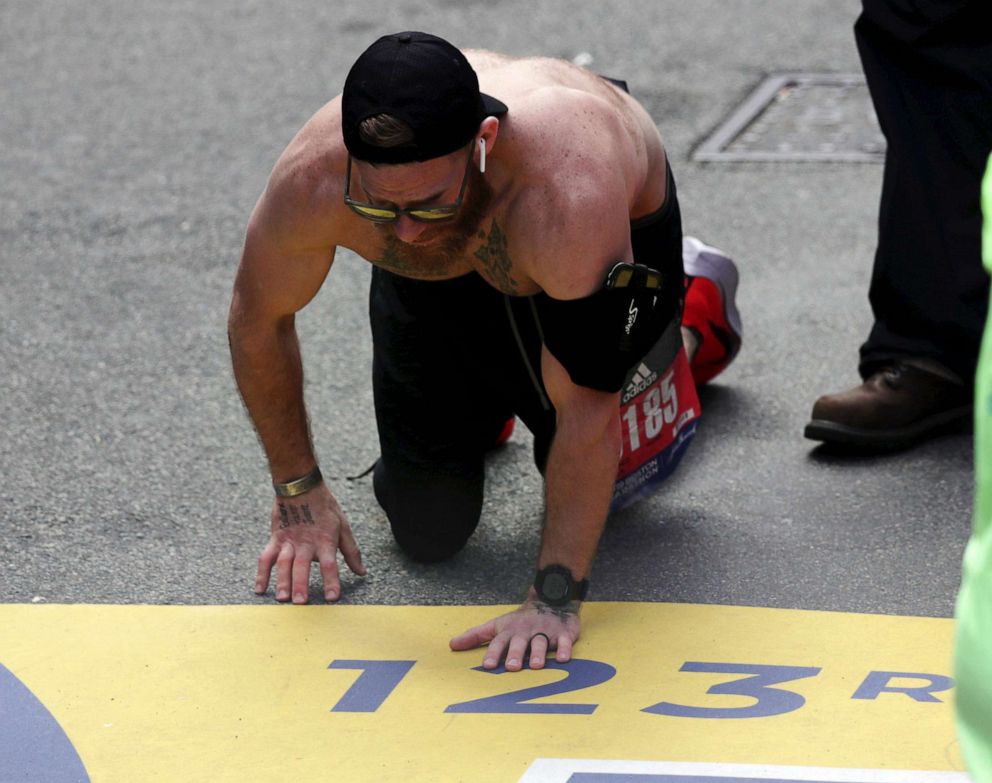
(973, 646)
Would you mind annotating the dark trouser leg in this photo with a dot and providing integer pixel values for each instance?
(432, 511)
(931, 83)
(447, 374)
(929, 69)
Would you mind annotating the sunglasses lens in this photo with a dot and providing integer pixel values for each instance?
(431, 215)
(374, 213)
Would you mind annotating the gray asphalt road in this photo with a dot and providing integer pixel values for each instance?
(134, 140)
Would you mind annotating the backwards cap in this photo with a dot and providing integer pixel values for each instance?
(422, 80)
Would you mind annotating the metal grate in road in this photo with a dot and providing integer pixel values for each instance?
(800, 117)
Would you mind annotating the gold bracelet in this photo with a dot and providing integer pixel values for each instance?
(298, 486)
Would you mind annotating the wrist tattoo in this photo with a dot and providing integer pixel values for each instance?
(290, 515)
(571, 609)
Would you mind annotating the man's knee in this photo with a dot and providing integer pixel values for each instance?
(432, 513)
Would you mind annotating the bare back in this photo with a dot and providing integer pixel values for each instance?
(532, 73)
(574, 161)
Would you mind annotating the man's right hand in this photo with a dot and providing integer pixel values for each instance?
(307, 528)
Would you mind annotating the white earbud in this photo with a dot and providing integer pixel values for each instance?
(482, 156)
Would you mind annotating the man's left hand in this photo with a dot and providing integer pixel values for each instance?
(535, 627)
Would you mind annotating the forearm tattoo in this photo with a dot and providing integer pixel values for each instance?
(290, 515)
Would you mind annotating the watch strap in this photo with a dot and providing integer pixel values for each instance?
(574, 590)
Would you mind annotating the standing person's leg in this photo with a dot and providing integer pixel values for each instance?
(440, 402)
(930, 76)
(932, 90)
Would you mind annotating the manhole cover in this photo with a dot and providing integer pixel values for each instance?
(800, 117)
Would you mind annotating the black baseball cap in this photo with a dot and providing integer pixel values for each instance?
(422, 80)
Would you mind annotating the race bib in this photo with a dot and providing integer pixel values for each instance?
(659, 413)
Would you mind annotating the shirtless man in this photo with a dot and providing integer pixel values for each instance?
(493, 219)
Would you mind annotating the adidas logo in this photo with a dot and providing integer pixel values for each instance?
(642, 378)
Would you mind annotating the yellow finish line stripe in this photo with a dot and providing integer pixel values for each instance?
(236, 693)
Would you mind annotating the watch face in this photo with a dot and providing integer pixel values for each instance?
(554, 587)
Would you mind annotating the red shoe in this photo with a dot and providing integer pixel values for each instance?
(506, 432)
(710, 310)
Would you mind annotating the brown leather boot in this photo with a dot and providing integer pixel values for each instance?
(894, 408)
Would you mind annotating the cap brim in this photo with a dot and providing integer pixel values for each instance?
(492, 106)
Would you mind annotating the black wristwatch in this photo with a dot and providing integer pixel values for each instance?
(556, 586)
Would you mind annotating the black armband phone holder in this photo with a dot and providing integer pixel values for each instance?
(599, 338)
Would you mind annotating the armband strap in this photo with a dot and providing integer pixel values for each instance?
(299, 486)
(599, 338)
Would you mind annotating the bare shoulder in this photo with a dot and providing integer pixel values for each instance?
(301, 205)
(292, 233)
(573, 211)
(508, 77)
(543, 92)
(586, 158)
(567, 124)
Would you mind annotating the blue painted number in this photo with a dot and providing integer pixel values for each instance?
(767, 701)
(380, 678)
(581, 674)
(372, 688)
